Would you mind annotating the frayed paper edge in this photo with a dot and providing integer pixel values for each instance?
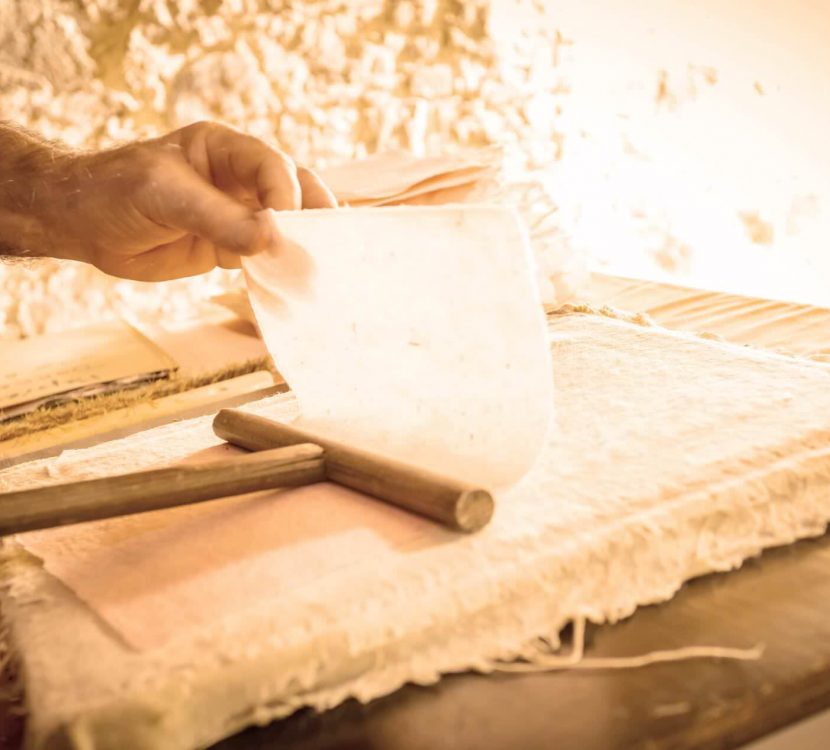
(576, 659)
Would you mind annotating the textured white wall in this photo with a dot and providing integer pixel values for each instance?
(695, 140)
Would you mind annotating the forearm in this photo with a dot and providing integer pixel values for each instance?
(30, 167)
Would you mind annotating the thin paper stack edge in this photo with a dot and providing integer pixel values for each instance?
(739, 445)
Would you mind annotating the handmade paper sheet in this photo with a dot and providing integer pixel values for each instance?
(417, 332)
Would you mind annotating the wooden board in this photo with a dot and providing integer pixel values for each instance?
(782, 326)
(78, 361)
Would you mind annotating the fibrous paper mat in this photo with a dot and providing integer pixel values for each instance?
(416, 332)
(674, 456)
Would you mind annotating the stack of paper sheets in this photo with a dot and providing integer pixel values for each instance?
(396, 177)
(76, 363)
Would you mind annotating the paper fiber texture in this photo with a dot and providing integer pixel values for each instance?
(417, 332)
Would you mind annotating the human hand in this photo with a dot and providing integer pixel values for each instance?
(173, 206)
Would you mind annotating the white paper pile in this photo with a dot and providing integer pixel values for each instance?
(397, 177)
(76, 364)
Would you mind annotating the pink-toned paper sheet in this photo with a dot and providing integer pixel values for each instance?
(155, 576)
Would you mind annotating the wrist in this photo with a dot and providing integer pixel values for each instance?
(22, 231)
(33, 179)
(59, 208)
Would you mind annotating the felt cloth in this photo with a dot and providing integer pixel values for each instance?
(675, 456)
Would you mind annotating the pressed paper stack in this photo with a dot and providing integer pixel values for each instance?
(396, 177)
(673, 456)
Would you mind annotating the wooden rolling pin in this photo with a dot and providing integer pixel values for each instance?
(154, 489)
(285, 457)
(454, 503)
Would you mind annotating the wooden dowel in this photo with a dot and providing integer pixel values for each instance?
(459, 505)
(154, 489)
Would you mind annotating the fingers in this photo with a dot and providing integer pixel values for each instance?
(247, 168)
(242, 163)
(227, 259)
(178, 198)
(209, 183)
(186, 256)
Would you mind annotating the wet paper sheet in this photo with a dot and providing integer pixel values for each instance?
(417, 332)
(157, 576)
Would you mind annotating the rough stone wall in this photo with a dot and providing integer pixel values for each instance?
(327, 80)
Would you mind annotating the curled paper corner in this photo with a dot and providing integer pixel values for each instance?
(297, 265)
(420, 335)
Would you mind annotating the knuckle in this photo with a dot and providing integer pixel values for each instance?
(151, 174)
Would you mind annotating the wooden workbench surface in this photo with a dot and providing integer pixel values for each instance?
(781, 599)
